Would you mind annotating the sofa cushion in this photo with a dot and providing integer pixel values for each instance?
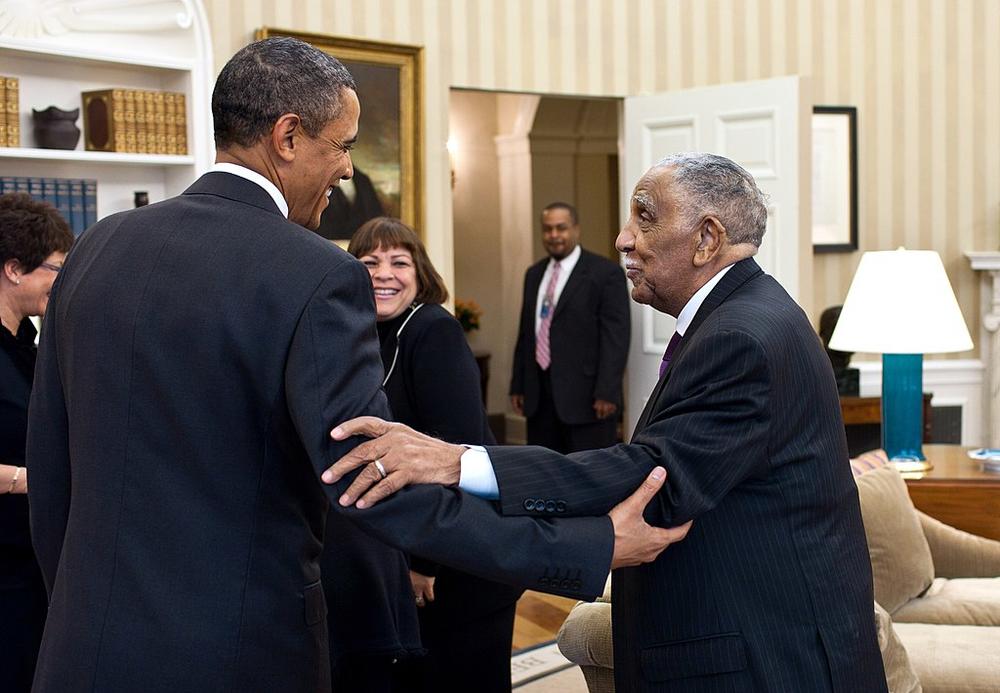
(585, 635)
(901, 559)
(867, 461)
(899, 673)
(953, 659)
(956, 602)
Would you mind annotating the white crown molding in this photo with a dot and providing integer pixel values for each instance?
(29, 19)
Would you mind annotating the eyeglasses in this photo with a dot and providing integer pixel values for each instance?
(52, 268)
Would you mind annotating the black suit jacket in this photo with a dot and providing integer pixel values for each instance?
(772, 588)
(195, 354)
(588, 339)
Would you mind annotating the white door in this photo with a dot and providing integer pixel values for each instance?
(765, 127)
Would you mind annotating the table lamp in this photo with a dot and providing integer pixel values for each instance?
(901, 305)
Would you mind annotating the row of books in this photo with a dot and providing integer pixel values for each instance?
(75, 198)
(10, 124)
(135, 121)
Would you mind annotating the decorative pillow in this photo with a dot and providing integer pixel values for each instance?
(867, 461)
(899, 673)
(902, 566)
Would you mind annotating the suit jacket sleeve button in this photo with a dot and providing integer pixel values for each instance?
(560, 506)
(550, 506)
(529, 504)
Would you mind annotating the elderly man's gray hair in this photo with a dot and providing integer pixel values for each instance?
(267, 79)
(712, 184)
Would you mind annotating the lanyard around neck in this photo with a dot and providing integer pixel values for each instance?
(398, 333)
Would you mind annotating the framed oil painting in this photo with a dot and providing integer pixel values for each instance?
(387, 158)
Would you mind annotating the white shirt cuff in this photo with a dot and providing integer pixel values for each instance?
(477, 475)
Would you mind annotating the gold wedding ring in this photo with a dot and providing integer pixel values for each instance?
(380, 468)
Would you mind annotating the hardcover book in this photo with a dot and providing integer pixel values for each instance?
(130, 131)
(181, 117)
(89, 203)
(140, 122)
(13, 112)
(170, 121)
(49, 191)
(104, 120)
(3, 112)
(149, 126)
(76, 222)
(62, 198)
(160, 123)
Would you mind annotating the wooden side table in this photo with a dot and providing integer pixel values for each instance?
(958, 491)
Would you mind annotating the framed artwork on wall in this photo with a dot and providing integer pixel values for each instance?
(834, 179)
(388, 159)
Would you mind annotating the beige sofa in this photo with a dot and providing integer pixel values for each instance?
(940, 629)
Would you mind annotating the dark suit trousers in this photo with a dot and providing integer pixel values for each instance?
(23, 605)
(546, 429)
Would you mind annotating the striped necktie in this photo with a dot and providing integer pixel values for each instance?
(542, 354)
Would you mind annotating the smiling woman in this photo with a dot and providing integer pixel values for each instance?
(432, 384)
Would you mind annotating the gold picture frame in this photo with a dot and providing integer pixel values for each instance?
(389, 152)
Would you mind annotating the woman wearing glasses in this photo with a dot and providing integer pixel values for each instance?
(34, 240)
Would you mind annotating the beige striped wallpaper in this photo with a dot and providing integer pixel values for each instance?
(924, 75)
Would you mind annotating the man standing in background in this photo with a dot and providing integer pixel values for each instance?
(572, 343)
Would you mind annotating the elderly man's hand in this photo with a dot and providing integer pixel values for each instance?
(635, 541)
(395, 457)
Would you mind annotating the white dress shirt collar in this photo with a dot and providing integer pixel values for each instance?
(254, 177)
(567, 264)
(690, 308)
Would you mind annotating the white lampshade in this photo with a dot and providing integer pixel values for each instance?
(901, 302)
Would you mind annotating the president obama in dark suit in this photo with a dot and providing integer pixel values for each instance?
(772, 590)
(193, 355)
(572, 343)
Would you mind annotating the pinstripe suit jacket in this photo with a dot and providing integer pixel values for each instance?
(772, 589)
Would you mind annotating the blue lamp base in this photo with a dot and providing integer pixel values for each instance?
(902, 411)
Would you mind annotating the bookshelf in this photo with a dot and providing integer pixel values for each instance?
(163, 46)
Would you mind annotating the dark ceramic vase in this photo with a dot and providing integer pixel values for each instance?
(56, 128)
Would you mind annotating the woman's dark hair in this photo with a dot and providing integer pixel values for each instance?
(388, 233)
(30, 231)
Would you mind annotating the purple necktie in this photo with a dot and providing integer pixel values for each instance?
(669, 353)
